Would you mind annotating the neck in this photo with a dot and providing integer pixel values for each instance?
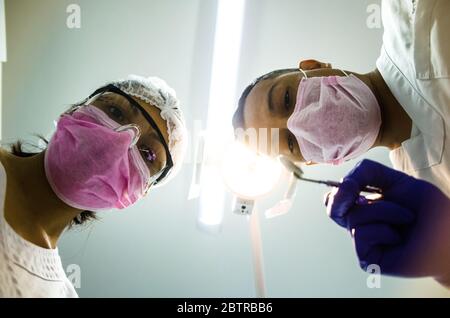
(39, 206)
(396, 124)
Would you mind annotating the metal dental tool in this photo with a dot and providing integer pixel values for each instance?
(298, 173)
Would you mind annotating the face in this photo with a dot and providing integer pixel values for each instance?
(119, 109)
(270, 104)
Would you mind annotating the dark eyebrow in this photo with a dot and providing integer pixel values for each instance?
(270, 102)
(155, 136)
(138, 109)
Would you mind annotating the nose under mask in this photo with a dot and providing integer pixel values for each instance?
(92, 162)
(335, 118)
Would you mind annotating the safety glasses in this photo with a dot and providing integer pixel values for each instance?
(121, 107)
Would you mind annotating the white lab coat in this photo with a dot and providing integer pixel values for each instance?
(415, 64)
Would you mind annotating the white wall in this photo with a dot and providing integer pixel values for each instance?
(154, 248)
(1, 98)
(2, 54)
(2, 32)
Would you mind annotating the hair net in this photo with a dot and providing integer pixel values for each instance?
(156, 92)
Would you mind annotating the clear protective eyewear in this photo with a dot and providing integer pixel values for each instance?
(126, 111)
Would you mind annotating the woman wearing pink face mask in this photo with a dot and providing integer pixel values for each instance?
(107, 152)
(327, 116)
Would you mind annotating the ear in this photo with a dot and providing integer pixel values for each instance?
(312, 65)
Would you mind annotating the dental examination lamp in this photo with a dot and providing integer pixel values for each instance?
(250, 176)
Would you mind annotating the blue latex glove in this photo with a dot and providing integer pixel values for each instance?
(406, 232)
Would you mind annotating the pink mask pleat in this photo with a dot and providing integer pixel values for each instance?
(89, 165)
(335, 118)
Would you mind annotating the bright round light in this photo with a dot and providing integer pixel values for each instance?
(247, 174)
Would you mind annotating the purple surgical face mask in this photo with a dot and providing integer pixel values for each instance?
(92, 162)
(335, 118)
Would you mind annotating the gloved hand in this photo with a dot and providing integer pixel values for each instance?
(406, 232)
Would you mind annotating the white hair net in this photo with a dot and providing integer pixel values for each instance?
(156, 92)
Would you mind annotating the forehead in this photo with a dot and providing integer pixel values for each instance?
(256, 112)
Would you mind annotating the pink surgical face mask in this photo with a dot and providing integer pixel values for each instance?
(92, 162)
(335, 118)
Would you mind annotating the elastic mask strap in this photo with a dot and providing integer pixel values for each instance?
(137, 132)
(304, 73)
(344, 72)
(85, 103)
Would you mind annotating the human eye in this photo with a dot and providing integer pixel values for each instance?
(116, 113)
(287, 99)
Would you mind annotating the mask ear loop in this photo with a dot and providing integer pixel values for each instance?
(137, 132)
(304, 73)
(137, 135)
(84, 103)
(346, 74)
